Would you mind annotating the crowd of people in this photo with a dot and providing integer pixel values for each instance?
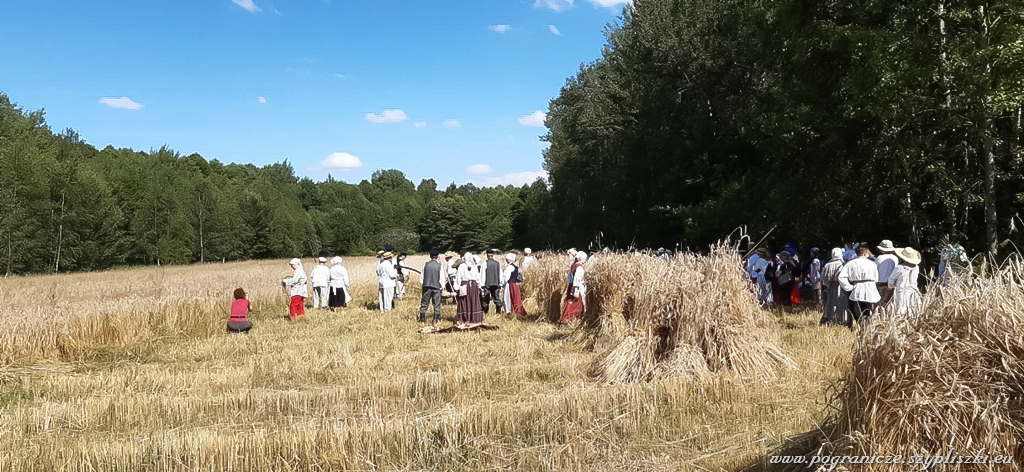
(853, 283)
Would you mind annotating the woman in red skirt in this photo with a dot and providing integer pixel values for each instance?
(576, 292)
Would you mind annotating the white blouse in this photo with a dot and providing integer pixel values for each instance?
(859, 277)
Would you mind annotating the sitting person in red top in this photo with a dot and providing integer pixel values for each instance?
(239, 309)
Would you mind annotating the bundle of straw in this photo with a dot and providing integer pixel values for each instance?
(950, 378)
(694, 307)
(544, 286)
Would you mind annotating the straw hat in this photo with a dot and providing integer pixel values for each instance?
(449, 254)
(887, 246)
(386, 255)
(909, 255)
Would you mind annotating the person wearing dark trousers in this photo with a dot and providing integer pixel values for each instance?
(433, 275)
(492, 284)
(858, 277)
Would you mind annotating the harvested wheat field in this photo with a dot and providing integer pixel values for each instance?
(132, 370)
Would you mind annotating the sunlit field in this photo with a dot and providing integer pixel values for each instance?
(133, 369)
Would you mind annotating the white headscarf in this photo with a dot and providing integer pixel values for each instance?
(295, 261)
(336, 260)
(469, 258)
(837, 254)
(510, 257)
(581, 255)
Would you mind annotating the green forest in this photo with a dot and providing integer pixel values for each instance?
(67, 206)
(836, 121)
(829, 121)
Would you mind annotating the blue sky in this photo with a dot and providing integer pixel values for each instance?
(454, 91)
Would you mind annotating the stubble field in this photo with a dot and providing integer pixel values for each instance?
(132, 370)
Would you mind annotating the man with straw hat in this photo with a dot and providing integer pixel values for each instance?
(859, 277)
(903, 281)
(387, 278)
(449, 271)
(886, 263)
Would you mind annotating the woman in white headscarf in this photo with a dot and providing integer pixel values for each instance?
(339, 296)
(510, 280)
(296, 285)
(469, 306)
(835, 299)
(576, 291)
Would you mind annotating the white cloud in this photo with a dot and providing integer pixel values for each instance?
(611, 3)
(554, 30)
(341, 161)
(123, 103)
(452, 123)
(499, 28)
(261, 100)
(340, 76)
(556, 5)
(533, 119)
(517, 179)
(421, 124)
(249, 5)
(389, 116)
(479, 169)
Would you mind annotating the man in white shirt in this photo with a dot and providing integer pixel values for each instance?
(859, 277)
(886, 263)
(320, 277)
(387, 280)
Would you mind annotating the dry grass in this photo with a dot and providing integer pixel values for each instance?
(357, 390)
(650, 319)
(948, 379)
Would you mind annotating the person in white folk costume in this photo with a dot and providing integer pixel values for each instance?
(886, 263)
(339, 295)
(576, 291)
(528, 259)
(320, 278)
(403, 276)
(903, 281)
(511, 279)
(467, 280)
(859, 277)
(387, 278)
(297, 290)
(450, 288)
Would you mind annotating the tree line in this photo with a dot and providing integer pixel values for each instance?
(834, 121)
(66, 206)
